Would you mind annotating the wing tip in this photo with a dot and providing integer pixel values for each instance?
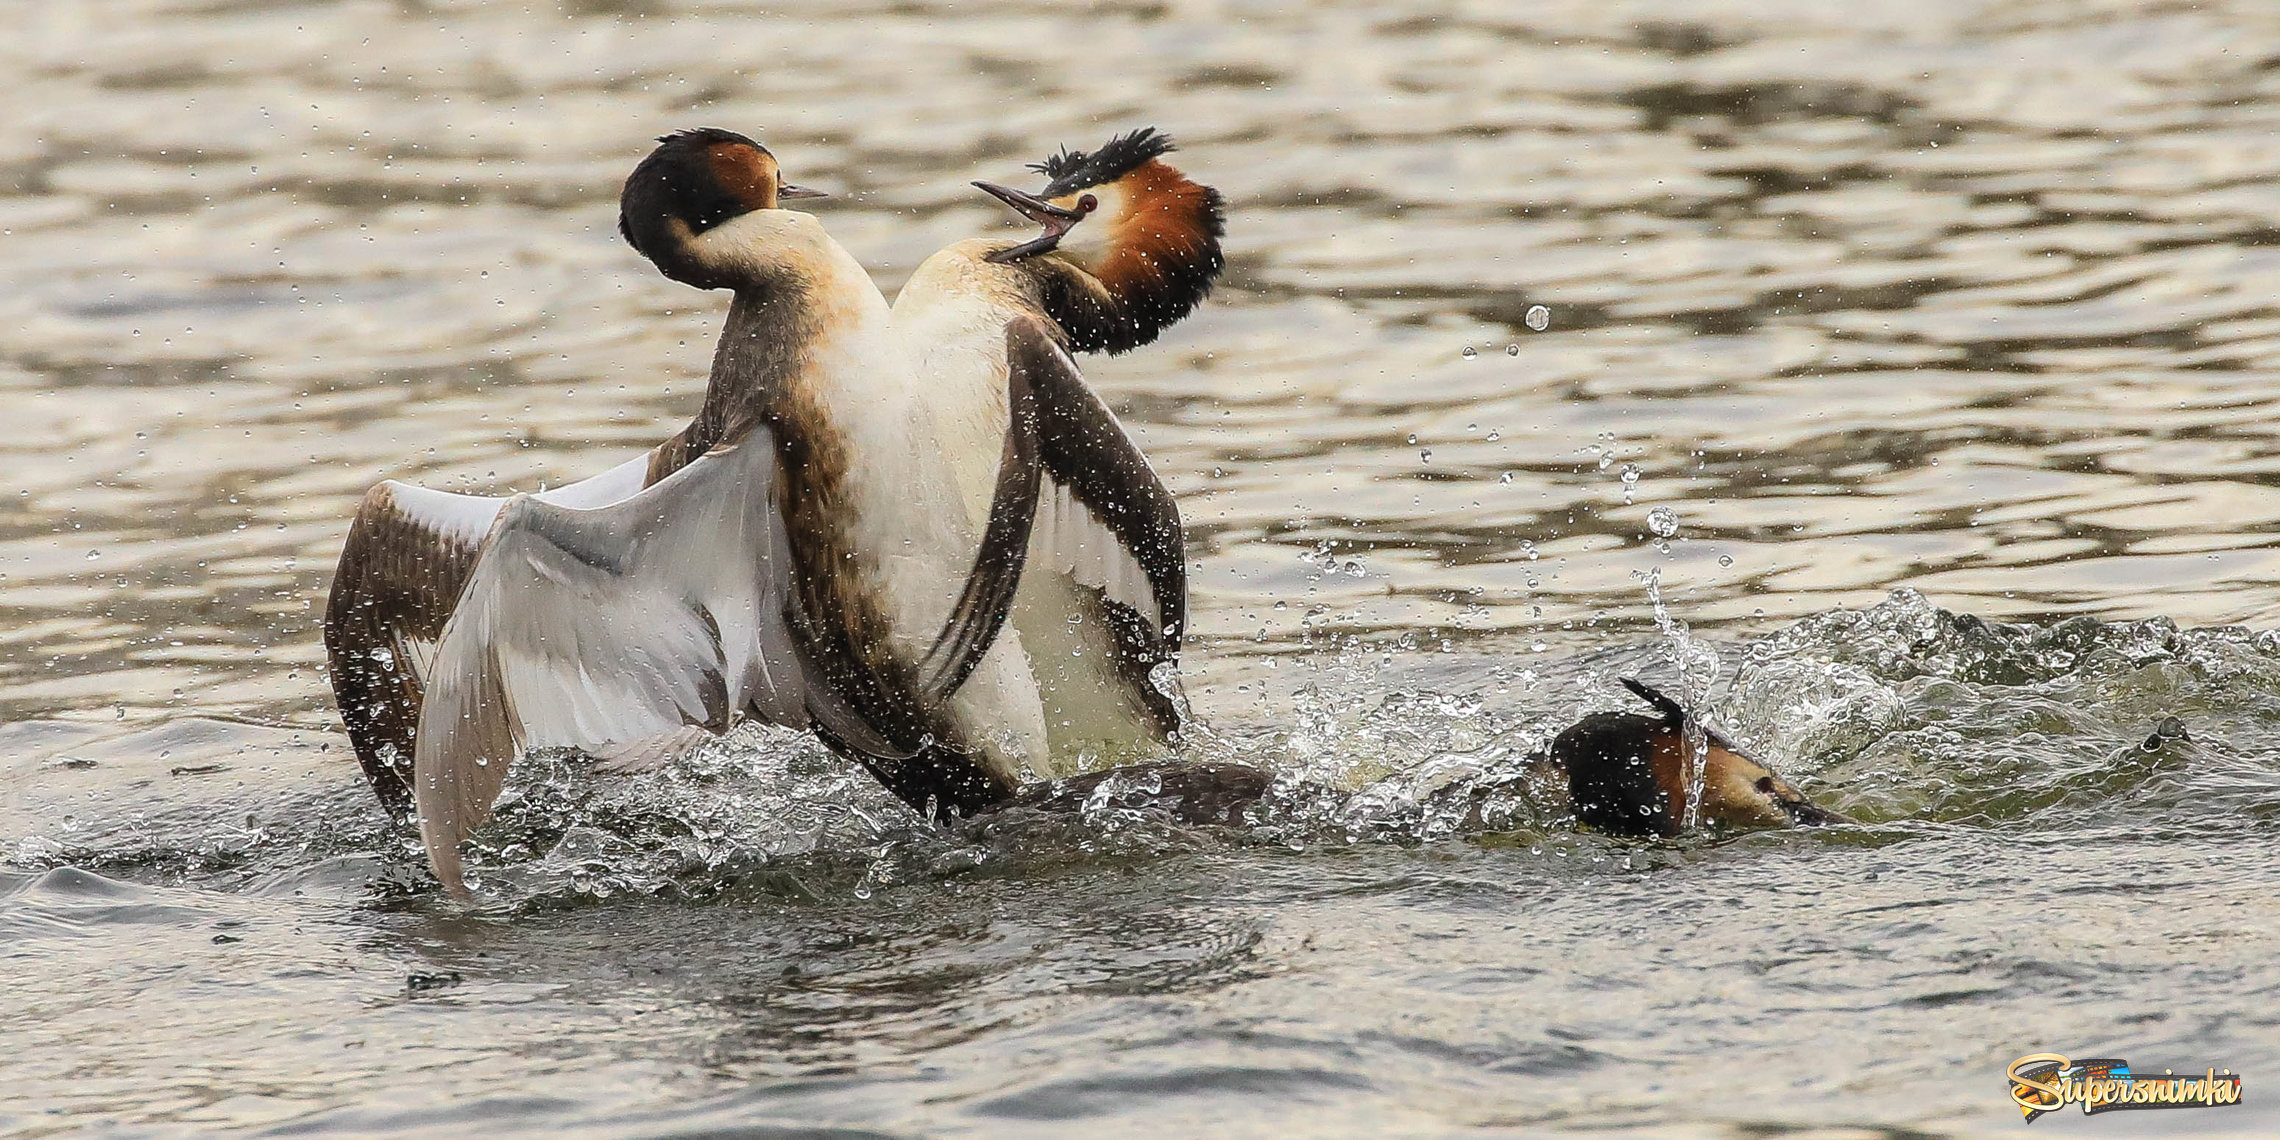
(441, 836)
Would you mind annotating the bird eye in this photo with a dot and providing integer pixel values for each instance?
(1087, 204)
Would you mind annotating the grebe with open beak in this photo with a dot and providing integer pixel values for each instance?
(1129, 246)
(799, 553)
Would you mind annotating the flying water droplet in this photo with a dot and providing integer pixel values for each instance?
(1539, 318)
(1663, 521)
(1470, 352)
(1725, 560)
(1512, 350)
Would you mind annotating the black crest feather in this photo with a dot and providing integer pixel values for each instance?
(1074, 170)
(1672, 711)
(697, 138)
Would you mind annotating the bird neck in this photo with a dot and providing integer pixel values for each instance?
(800, 314)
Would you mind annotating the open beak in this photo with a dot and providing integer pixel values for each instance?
(787, 190)
(1056, 220)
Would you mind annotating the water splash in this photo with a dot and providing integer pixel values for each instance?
(1696, 665)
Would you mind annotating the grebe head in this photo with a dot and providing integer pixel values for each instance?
(1628, 774)
(1134, 243)
(694, 181)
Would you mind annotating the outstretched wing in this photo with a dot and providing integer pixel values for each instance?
(613, 625)
(407, 557)
(1102, 521)
(1102, 517)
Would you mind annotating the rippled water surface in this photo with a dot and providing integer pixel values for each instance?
(1978, 302)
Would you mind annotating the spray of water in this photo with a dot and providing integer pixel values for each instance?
(1696, 665)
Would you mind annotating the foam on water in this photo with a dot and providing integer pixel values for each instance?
(1901, 715)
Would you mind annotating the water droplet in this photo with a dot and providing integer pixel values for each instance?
(1725, 560)
(1539, 318)
(1512, 350)
(92, 555)
(1663, 521)
(1470, 352)
(1494, 435)
(1504, 478)
(1424, 455)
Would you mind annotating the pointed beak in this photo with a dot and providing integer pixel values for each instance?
(787, 190)
(1805, 813)
(1785, 797)
(1056, 221)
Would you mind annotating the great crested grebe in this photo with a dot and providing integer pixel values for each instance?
(410, 549)
(1632, 774)
(795, 554)
(1130, 245)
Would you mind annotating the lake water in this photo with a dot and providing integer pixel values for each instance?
(1945, 334)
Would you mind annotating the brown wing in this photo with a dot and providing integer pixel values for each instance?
(408, 556)
(1102, 517)
(1119, 528)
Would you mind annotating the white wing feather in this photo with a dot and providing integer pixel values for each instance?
(443, 518)
(609, 626)
(1070, 538)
